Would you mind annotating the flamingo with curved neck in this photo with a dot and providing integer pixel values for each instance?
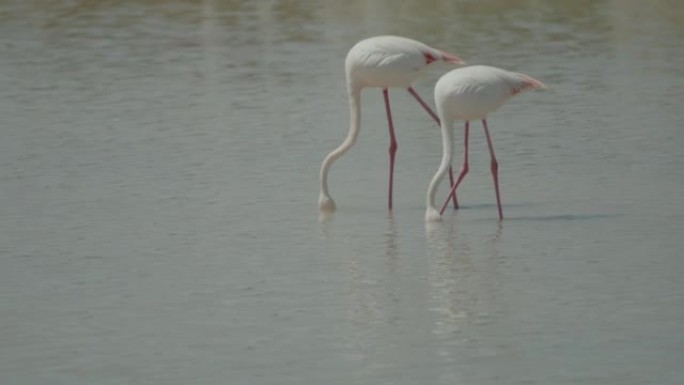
(471, 93)
(380, 62)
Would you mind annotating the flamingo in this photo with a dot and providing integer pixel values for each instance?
(381, 62)
(467, 94)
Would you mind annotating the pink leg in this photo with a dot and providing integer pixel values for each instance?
(494, 167)
(436, 119)
(392, 147)
(451, 183)
(423, 104)
(464, 167)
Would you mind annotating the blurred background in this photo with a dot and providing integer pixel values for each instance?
(158, 190)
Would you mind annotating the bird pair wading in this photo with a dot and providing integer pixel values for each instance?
(468, 93)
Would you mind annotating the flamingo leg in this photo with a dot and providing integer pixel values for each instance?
(436, 119)
(494, 165)
(423, 104)
(393, 145)
(464, 168)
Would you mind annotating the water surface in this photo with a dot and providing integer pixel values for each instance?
(158, 187)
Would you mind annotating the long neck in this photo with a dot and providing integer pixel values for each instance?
(354, 125)
(447, 153)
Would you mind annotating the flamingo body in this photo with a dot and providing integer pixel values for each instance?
(471, 93)
(379, 62)
(389, 61)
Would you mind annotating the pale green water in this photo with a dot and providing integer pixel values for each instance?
(158, 219)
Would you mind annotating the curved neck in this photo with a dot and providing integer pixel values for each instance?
(354, 125)
(447, 153)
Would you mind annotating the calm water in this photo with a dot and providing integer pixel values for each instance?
(158, 219)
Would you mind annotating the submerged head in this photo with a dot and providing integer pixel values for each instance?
(432, 215)
(325, 203)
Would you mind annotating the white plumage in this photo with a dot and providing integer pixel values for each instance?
(467, 94)
(387, 61)
(471, 93)
(384, 62)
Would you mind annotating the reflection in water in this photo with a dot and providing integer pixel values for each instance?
(392, 248)
(463, 279)
(454, 271)
(370, 292)
(451, 266)
(324, 217)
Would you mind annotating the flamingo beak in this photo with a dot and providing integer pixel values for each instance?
(449, 58)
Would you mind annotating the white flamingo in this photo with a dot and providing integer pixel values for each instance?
(382, 62)
(471, 93)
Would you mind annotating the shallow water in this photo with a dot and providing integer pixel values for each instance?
(158, 175)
